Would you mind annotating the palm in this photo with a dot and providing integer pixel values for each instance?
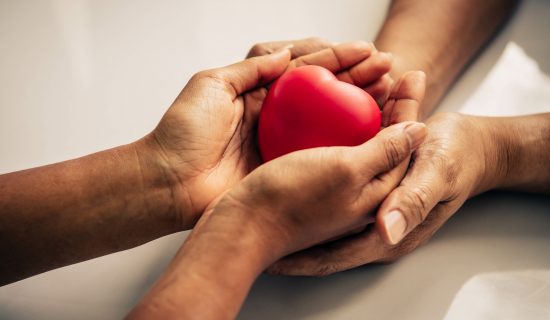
(209, 134)
(211, 146)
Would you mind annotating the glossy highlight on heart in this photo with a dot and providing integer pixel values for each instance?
(309, 107)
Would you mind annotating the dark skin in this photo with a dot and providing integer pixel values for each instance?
(439, 38)
(68, 212)
(287, 204)
(183, 179)
(462, 156)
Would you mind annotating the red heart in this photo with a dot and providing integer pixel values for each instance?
(309, 107)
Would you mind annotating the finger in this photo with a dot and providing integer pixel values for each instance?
(336, 58)
(408, 205)
(333, 257)
(388, 148)
(369, 70)
(253, 104)
(403, 104)
(300, 47)
(250, 73)
(380, 90)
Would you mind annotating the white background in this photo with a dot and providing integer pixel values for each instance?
(80, 76)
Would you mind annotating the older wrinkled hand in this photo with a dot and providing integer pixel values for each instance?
(457, 160)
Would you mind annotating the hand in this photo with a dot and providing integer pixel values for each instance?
(205, 142)
(309, 196)
(457, 160)
(287, 204)
(301, 47)
(371, 75)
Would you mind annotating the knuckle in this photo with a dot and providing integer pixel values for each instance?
(208, 75)
(213, 78)
(198, 76)
(394, 151)
(259, 49)
(418, 202)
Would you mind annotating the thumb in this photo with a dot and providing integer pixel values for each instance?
(390, 147)
(408, 205)
(250, 73)
(404, 101)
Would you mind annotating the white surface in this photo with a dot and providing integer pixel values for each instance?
(81, 76)
(514, 86)
(514, 295)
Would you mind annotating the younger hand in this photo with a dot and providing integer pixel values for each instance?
(206, 141)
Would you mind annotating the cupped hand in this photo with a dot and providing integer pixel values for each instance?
(206, 141)
(314, 195)
(456, 161)
(372, 74)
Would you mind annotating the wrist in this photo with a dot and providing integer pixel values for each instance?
(494, 162)
(160, 187)
(213, 271)
(522, 146)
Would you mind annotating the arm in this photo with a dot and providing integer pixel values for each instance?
(523, 149)
(213, 271)
(462, 156)
(117, 199)
(439, 38)
(120, 198)
(287, 204)
(80, 209)
(501, 153)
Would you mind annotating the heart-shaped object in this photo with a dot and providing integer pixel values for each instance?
(309, 107)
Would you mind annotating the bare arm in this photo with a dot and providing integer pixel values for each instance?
(80, 209)
(116, 199)
(439, 38)
(524, 147)
(462, 156)
(285, 205)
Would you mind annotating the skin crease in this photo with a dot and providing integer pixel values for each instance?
(287, 204)
(243, 231)
(151, 190)
(159, 184)
(503, 153)
(447, 37)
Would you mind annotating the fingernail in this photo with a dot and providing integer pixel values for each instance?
(396, 225)
(416, 132)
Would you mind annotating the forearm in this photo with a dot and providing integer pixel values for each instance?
(523, 150)
(64, 213)
(439, 38)
(212, 273)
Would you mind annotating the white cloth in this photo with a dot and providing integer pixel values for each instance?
(504, 296)
(515, 86)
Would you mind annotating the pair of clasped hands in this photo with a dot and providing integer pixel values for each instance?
(310, 212)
